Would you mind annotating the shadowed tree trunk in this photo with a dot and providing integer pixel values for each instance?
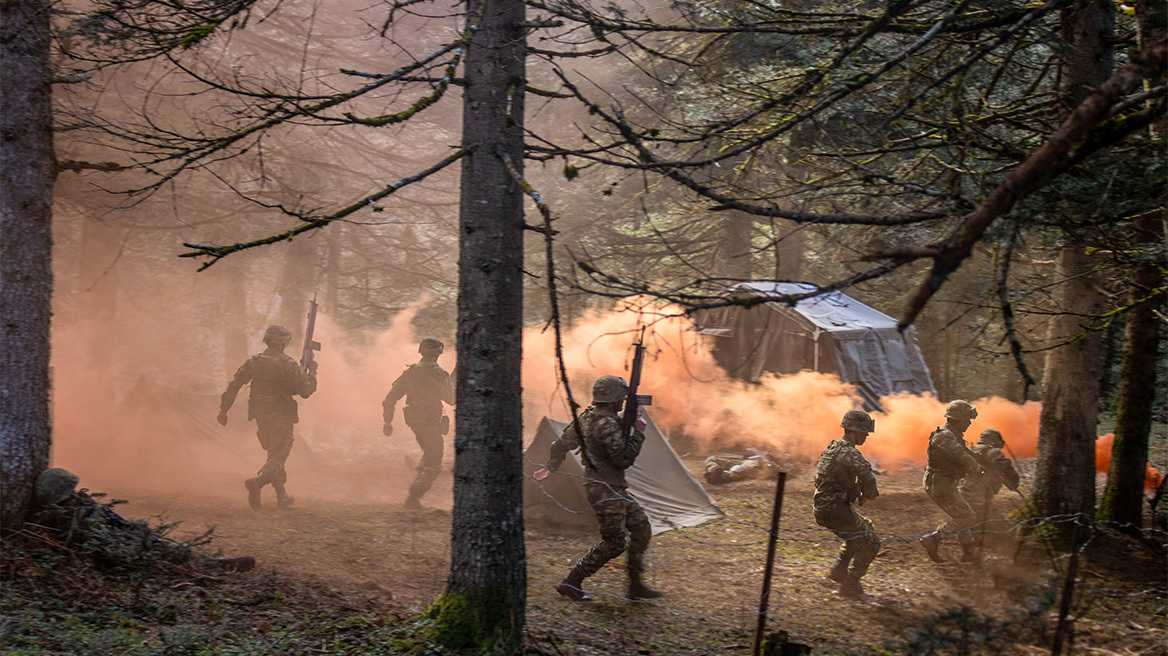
(26, 198)
(1065, 476)
(1123, 500)
(485, 598)
(734, 252)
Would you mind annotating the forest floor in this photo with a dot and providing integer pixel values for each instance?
(356, 577)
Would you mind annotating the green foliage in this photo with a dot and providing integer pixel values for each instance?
(482, 618)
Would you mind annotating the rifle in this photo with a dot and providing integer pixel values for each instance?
(309, 344)
(634, 401)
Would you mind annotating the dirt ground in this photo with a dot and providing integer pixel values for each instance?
(370, 550)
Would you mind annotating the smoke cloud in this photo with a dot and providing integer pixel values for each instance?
(796, 414)
(160, 432)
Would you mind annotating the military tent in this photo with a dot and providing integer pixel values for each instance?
(829, 333)
(658, 480)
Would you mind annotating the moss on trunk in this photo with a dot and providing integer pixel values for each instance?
(482, 618)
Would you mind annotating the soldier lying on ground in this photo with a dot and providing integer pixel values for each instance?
(721, 468)
(115, 543)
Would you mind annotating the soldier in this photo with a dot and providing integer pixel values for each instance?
(599, 429)
(949, 461)
(722, 468)
(274, 378)
(844, 476)
(425, 386)
(979, 491)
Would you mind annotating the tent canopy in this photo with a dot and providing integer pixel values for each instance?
(658, 480)
(829, 333)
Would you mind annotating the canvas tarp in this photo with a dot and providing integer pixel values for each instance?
(830, 333)
(658, 480)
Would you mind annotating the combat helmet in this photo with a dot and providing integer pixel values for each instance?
(858, 420)
(991, 437)
(609, 389)
(431, 344)
(54, 486)
(277, 336)
(959, 409)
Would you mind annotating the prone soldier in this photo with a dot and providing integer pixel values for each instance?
(949, 461)
(275, 377)
(608, 455)
(843, 476)
(425, 386)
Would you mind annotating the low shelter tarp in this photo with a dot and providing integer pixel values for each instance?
(829, 333)
(658, 480)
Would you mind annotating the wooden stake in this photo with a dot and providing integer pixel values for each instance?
(770, 563)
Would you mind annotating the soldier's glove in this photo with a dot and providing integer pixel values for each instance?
(222, 418)
(312, 366)
(387, 430)
(640, 422)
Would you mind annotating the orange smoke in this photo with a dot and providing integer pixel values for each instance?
(798, 414)
(1152, 476)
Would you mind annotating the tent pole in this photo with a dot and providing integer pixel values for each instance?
(815, 350)
(770, 563)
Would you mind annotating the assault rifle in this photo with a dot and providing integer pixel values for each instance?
(634, 401)
(309, 344)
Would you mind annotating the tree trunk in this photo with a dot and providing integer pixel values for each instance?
(734, 251)
(1123, 499)
(26, 199)
(485, 598)
(1065, 476)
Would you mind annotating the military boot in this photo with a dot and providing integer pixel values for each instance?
(930, 542)
(852, 589)
(413, 502)
(969, 554)
(572, 586)
(253, 486)
(283, 499)
(638, 589)
(839, 571)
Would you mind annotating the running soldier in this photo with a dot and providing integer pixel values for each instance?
(608, 492)
(979, 491)
(949, 461)
(275, 377)
(425, 386)
(844, 476)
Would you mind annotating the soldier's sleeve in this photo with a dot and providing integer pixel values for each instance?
(1006, 468)
(396, 392)
(622, 452)
(241, 378)
(966, 461)
(862, 470)
(446, 387)
(307, 381)
(568, 440)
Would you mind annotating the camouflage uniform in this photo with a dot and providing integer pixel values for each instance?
(979, 491)
(275, 377)
(607, 489)
(425, 386)
(723, 468)
(949, 461)
(599, 429)
(843, 476)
